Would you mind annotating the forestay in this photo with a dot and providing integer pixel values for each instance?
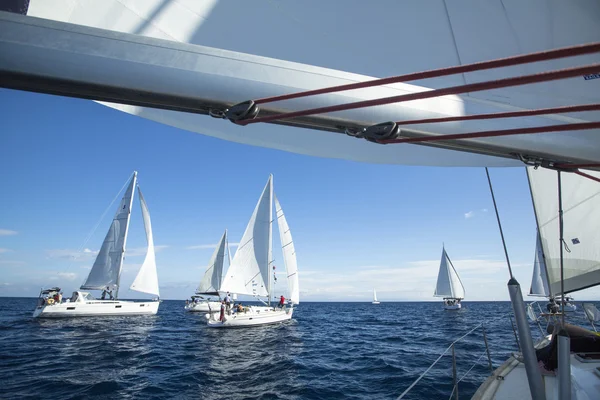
(107, 267)
(539, 281)
(211, 281)
(249, 268)
(146, 280)
(289, 254)
(581, 213)
(448, 283)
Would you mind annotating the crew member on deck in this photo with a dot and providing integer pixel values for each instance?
(281, 301)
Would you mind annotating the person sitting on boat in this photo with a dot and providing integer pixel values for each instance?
(552, 307)
(240, 308)
(281, 301)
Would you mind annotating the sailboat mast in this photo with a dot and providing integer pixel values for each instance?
(125, 238)
(270, 241)
(537, 224)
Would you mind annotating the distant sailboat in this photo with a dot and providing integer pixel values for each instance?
(105, 274)
(250, 269)
(375, 301)
(210, 285)
(449, 285)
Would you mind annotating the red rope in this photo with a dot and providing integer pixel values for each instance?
(503, 62)
(473, 87)
(587, 176)
(512, 114)
(504, 132)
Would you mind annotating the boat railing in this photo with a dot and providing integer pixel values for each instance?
(453, 350)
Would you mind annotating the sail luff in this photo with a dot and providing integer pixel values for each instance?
(146, 280)
(539, 280)
(211, 280)
(289, 254)
(106, 270)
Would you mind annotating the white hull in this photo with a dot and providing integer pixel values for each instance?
(570, 307)
(204, 306)
(255, 316)
(375, 302)
(453, 307)
(96, 308)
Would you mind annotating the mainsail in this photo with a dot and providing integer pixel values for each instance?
(106, 270)
(448, 283)
(455, 33)
(581, 213)
(289, 254)
(211, 281)
(374, 295)
(539, 281)
(249, 270)
(146, 280)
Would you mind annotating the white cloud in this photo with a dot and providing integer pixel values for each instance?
(67, 254)
(209, 246)
(70, 276)
(141, 251)
(7, 232)
(469, 214)
(4, 250)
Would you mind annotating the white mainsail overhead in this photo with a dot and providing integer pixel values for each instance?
(454, 32)
(106, 271)
(211, 281)
(249, 270)
(146, 280)
(289, 254)
(539, 281)
(448, 283)
(581, 213)
(375, 295)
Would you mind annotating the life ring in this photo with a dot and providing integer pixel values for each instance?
(50, 301)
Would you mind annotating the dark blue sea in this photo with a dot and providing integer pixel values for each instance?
(328, 351)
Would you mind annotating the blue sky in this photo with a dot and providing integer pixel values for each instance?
(355, 226)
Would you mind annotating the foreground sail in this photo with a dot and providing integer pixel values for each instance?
(106, 272)
(210, 285)
(249, 273)
(449, 285)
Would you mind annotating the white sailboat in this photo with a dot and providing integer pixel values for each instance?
(539, 281)
(105, 274)
(210, 285)
(375, 301)
(250, 269)
(449, 285)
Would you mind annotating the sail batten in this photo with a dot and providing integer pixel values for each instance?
(146, 280)
(289, 254)
(211, 281)
(581, 212)
(448, 283)
(106, 271)
(249, 270)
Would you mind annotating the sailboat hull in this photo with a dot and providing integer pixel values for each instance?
(254, 316)
(96, 308)
(375, 302)
(204, 306)
(453, 307)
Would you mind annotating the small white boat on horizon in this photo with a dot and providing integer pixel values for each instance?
(106, 273)
(375, 301)
(449, 285)
(210, 285)
(250, 269)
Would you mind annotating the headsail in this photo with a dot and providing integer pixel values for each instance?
(448, 283)
(249, 270)
(289, 254)
(146, 280)
(581, 213)
(211, 281)
(107, 267)
(539, 281)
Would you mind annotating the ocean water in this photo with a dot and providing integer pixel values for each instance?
(328, 351)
